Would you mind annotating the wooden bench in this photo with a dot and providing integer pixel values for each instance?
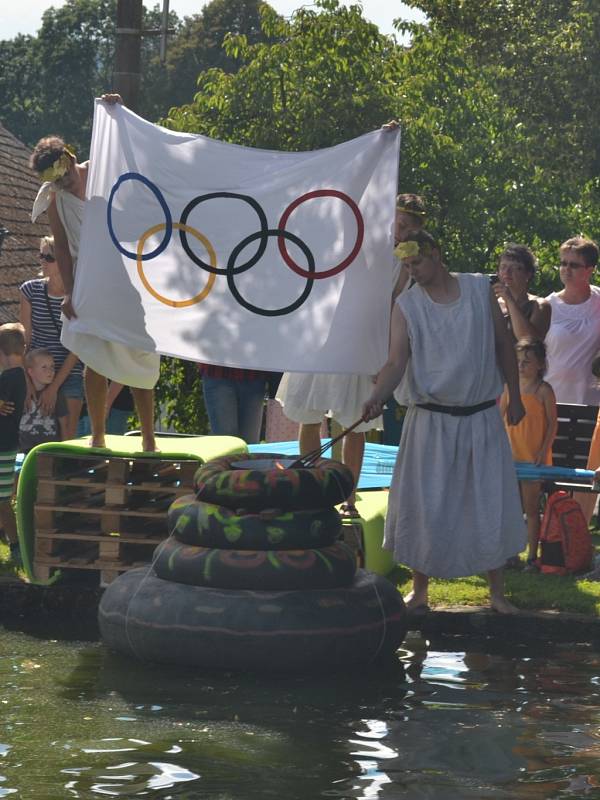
(571, 446)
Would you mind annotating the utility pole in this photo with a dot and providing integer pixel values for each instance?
(128, 52)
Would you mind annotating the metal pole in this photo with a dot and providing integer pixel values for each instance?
(164, 32)
(126, 77)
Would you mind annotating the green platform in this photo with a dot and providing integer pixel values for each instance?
(372, 506)
(202, 448)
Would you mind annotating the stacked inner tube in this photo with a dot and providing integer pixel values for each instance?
(254, 576)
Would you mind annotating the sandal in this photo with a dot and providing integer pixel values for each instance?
(349, 511)
(531, 566)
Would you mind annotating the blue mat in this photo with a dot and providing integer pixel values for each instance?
(379, 461)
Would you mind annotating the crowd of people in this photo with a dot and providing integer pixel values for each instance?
(463, 347)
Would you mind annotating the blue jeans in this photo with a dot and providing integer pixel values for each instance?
(234, 408)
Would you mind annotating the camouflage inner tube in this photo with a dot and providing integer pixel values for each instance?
(322, 486)
(265, 570)
(290, 631)
(207, 525)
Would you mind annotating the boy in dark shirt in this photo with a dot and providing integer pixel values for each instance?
(13, 389)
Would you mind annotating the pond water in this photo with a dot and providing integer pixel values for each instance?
(444, 724)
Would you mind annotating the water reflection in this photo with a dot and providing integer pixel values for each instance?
(78, 721)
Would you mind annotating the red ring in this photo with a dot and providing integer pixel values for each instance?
(360, 232)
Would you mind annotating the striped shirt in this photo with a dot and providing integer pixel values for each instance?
(46, 323)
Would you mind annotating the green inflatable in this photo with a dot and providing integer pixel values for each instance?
(208, 525)
(201, 448)
(264, 570)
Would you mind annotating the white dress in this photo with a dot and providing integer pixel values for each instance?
(571, 343)
(116, 361)
(454, 507)
(308, 397)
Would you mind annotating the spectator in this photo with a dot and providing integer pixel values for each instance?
(453, 507)
(526, 314)
(307, 398)
(234, 400)
(531, 440)
(39, 313)
(574, 335)
(13, 388)
(38, 426)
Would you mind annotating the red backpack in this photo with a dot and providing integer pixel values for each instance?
(566, 542)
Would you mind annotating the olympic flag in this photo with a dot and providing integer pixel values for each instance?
(231, 255)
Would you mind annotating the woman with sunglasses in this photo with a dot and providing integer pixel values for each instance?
(40, 315)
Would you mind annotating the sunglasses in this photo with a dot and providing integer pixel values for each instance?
(47, 258)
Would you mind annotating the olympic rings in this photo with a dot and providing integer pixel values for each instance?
(270, 312)
(140, 258)
(135, 176)
(360, 232)
(310, 274)
(263, 231)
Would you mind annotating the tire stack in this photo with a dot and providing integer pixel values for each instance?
(254, 577)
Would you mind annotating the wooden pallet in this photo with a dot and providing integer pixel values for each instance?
(102, 513)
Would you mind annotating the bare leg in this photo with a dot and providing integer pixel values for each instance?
(587, 501)
(419, 594)
(498, 600)
(74, 405)
(96, 387)
(9, 523)
(530, 493)
(353, 449)
(144, 403)
(309, 437)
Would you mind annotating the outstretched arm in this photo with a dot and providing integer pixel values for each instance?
(392, 371)
(507, 361)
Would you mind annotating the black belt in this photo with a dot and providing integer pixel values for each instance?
(457, 411)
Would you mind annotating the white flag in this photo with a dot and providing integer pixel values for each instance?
(232, 255)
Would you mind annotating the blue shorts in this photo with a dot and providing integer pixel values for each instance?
(73, 386)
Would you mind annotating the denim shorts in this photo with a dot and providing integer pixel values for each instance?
(73, 386)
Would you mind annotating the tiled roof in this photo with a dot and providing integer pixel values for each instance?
(18, 257)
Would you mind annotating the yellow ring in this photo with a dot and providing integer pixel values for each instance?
(211, 276)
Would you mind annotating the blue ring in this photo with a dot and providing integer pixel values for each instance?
(135, 176)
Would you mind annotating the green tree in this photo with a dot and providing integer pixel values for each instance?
(198, 45)
(322, 77)
(21, 110)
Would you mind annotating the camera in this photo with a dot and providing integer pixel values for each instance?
(494, 279)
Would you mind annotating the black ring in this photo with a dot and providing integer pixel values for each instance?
(262, 234)
(231, 271)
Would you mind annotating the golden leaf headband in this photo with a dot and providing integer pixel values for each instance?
(60, 167)
(412, 211)
(411, 248)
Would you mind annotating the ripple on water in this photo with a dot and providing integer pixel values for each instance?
(80, 722)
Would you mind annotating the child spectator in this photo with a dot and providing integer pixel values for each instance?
(13, 388)
(37, 426)
(531, 440)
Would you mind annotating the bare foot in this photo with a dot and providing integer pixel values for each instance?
(98, 441)
(412, 601)
(149, 445)
(502, 606)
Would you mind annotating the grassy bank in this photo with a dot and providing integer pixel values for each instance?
(531, 591)
(526, 590)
